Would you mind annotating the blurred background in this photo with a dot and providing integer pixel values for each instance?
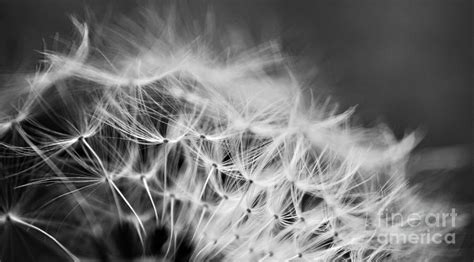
(403, 62)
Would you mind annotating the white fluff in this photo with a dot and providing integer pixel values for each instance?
(161, 129)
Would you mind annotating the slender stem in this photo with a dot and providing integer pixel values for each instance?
(145, 183)
(95, 156)
(128, 204)
(172, 233)
(264, 257)
(207, 181)
(69, 253)
(203, 212)
(116, 201)
(202, 250)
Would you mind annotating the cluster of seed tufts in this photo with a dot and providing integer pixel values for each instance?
(170, 153)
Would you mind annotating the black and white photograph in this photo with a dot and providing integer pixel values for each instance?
(236, 130)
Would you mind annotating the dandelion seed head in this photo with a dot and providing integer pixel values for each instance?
(160, 131)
